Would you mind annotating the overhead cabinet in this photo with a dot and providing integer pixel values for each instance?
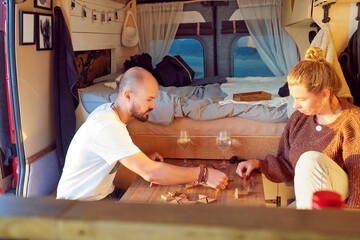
(304, 12)
(296, 11)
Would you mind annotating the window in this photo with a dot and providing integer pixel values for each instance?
(192, 51)
(247, 61)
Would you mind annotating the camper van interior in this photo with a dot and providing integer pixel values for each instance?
(221, 65)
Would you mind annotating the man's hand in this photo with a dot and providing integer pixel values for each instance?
(217, 179)
(156, 157)
(244, 168)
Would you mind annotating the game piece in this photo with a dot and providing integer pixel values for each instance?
(188, 202)
(174, 201)
(190, 186)
(178, 198)
(216, 193)
(202, 196)
(153, 184)
(183, 195)
(244, 183)
(167, 197)
(244, 191)
(202, 200)
(173, 194)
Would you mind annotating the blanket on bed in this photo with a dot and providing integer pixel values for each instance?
(202, 103)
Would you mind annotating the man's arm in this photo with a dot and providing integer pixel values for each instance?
(166, 174)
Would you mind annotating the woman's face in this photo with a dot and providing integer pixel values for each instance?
(307, 102)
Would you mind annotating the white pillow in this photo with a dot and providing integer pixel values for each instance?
(114, 84)
(107, 78)
(118, 78)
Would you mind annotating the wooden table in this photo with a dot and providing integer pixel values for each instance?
(141, 192)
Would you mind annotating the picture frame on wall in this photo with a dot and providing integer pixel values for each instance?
(44, 31)
(27, 28)
(44, 4)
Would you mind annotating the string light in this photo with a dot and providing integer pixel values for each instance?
(105, 16)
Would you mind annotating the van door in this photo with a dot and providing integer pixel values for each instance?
(11, 141)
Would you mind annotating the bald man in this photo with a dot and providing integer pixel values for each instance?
(102, 143)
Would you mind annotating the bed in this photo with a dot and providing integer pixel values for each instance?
(203, 109)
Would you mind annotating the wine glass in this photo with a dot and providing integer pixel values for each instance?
(183, 141)
(223, 142)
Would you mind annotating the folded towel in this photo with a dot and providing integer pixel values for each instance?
(252, 84)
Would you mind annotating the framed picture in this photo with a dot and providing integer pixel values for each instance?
(45, 4)
(27, 28)
(44, 31)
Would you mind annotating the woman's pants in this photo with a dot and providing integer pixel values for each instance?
(315, 171)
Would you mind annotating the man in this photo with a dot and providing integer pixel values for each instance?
(102, 143)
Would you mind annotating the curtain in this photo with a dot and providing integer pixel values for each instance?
(158, 24)
(274, 45)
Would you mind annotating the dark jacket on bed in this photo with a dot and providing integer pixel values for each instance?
(65, 87)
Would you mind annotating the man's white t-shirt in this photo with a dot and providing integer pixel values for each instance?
(93, 156)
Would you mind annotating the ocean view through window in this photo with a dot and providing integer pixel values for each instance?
(247, 61)
(192, 51)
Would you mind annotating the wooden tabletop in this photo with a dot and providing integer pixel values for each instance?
(141, 192)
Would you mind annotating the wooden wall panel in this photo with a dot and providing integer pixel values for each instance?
(87, 25)
(82, 41)
(204, 147)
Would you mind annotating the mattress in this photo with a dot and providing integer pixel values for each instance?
(236, 126)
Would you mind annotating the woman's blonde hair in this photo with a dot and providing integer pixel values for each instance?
(315, 73)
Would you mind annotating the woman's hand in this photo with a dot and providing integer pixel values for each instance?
(156, 157)
(244, 168)
(217, 179)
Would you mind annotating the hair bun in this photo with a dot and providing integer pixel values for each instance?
(315, 54)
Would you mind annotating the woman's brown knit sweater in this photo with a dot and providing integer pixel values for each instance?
(339, 140)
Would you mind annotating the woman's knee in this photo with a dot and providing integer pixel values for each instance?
(308, 161)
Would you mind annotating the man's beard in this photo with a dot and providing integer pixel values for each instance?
(137, 115)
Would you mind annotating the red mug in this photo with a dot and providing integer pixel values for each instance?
(327, 199)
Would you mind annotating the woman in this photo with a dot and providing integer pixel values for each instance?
(320, 146)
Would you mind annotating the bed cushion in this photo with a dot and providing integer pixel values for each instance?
(236, 126)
